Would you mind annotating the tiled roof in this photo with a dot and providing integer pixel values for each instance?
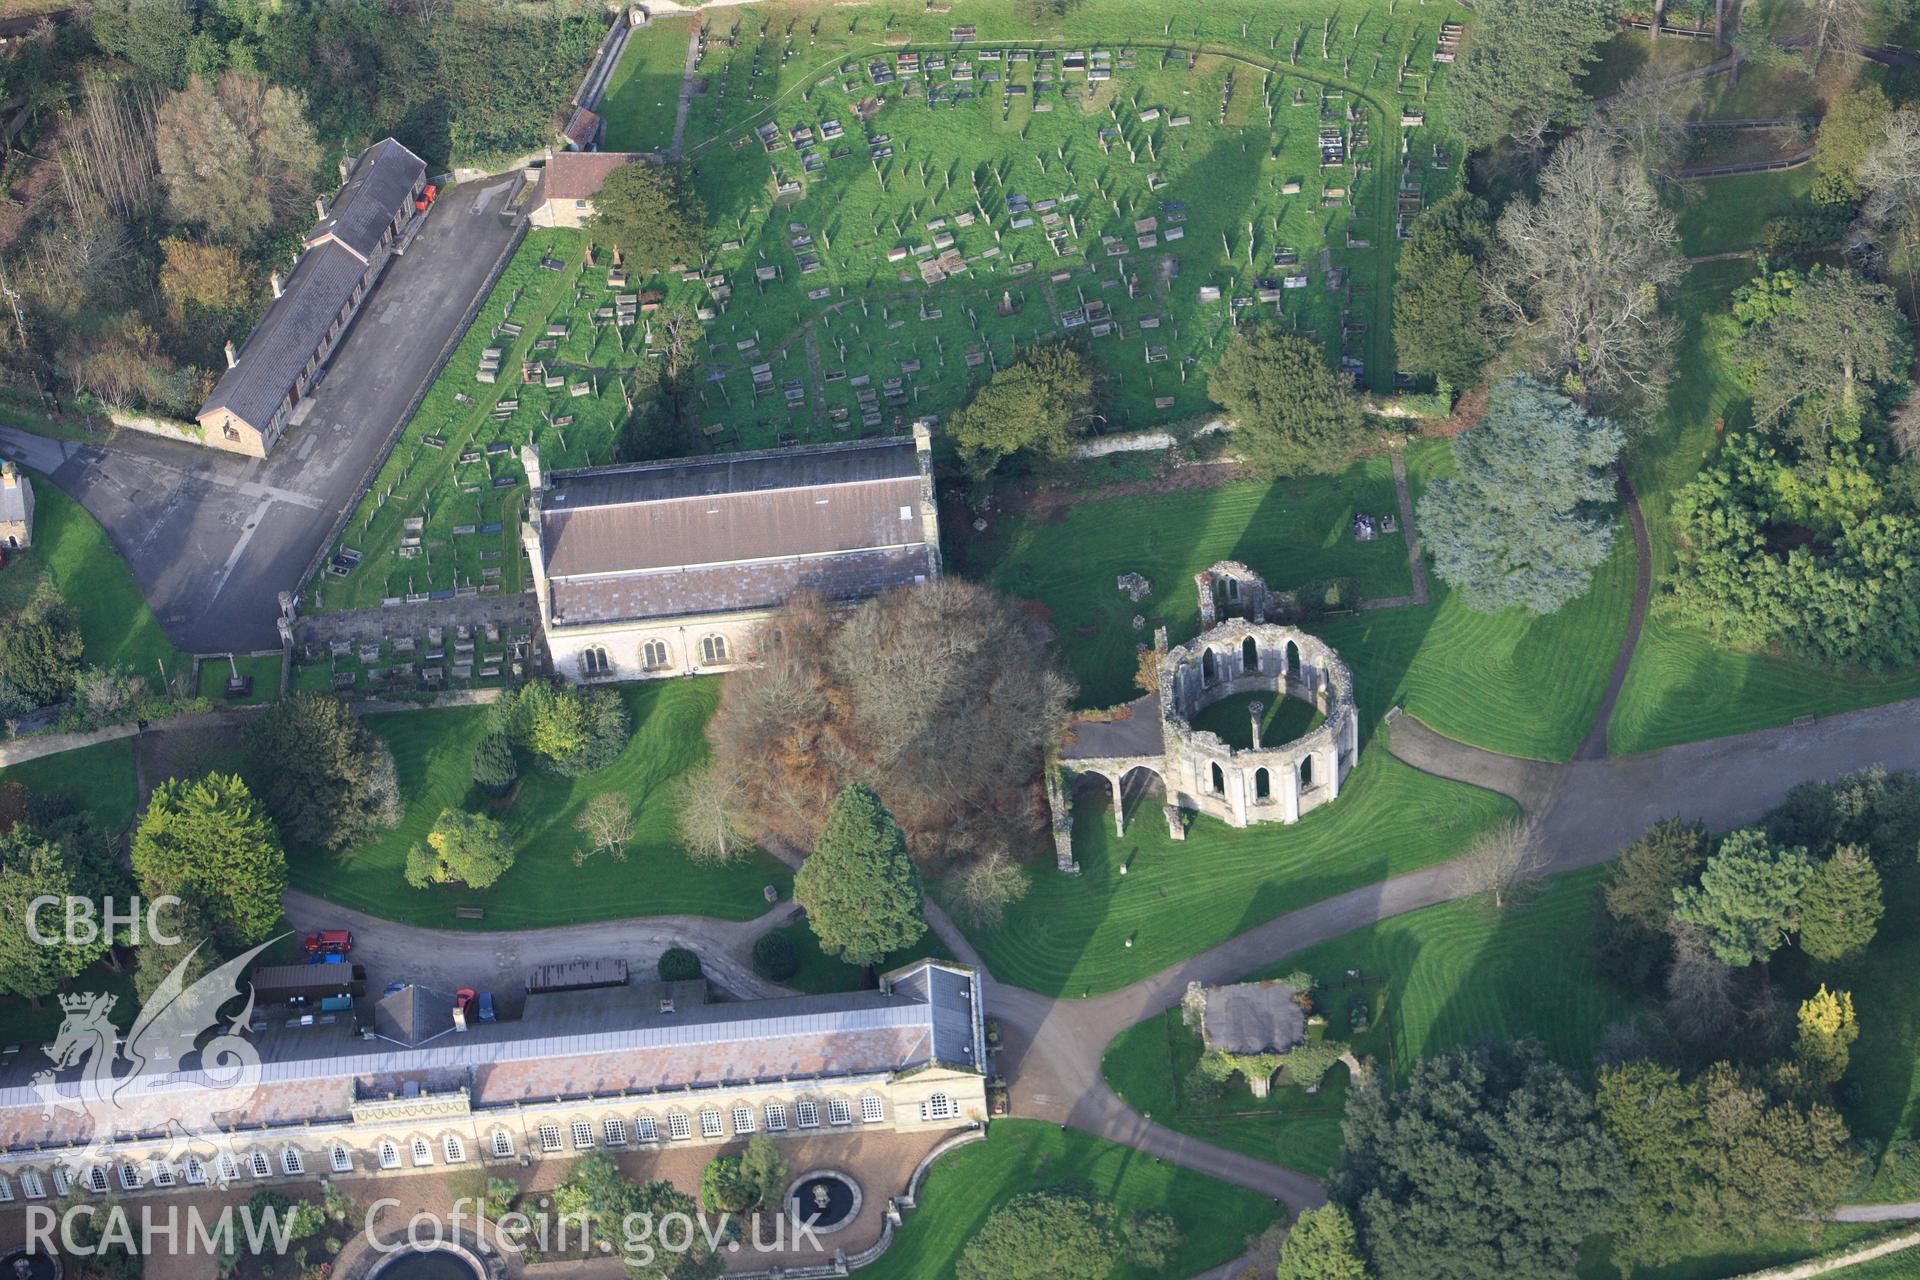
(720, 534)
(1139, 733)
(675, 593)
(572, 1042)
(582, 128)
(287, 336)
(379, 185)
(577, 175)
(1254, 1017)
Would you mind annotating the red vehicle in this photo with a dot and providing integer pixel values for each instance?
(426, 197)
(330, 942)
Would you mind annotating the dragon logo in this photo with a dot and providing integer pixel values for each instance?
(139, 1085)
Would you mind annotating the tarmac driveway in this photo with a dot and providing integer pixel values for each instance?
(213, 538)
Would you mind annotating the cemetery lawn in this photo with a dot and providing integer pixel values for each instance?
(810, 322)
(97, 780)
(434, 752)
(1683, 686)
(456, 467)
(643, 95)
(73, 552)
(1017, 1156)
(1068, 935)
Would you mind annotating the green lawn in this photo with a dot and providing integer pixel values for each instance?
(1292, 532)
(1281, 719)
(98, 780)
(266, 679)
(434, 752)
(1506, 681)
(1068, 935)
(820, 973)
(1147, 1065)
(644, 93)
(1682, 686)
(965, 1186)
(1453, 973)
(1733, 211)
(69, 547)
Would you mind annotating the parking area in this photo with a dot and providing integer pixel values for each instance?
(213, 538)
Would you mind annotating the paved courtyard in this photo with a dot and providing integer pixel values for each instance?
(213, 538)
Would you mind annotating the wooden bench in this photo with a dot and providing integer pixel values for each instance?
(469, 913)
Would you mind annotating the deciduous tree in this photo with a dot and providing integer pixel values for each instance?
(1522, 520)
(1575, 279)
(1819, 359)
(237, 156)
(607, 822)
(941, 696)
(1054, 1234)
(210, 842)
(861, 890)
(34, 866)
(1503, 865)
(465, 847)
(1855, 124)
(708, 804)
(1291, 414)
(568, 730)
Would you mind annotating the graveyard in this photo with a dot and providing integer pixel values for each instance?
(899, 219)
(545, 364)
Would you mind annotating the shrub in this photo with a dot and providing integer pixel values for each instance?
(774, 957)
(568, 730)
(494, 768)
(722, 1189)
(677, 964)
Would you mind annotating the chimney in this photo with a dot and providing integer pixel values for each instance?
(320, 206)
(530, 459)
(275, 281)
(233, 357)
(9, 475)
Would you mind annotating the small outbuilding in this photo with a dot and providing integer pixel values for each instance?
(1250, 1018)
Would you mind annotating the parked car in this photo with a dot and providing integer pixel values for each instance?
(329, 942)
(486, 1006)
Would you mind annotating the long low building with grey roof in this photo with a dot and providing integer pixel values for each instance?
(670, 568)
(340, 262)
(403, 1083)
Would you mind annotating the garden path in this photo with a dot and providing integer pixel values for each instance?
(1595, 745)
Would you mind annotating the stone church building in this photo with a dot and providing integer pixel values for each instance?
(669, 568)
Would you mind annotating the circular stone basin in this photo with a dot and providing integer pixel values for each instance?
(424, 1264)
(825, 1200)
(21, 1265)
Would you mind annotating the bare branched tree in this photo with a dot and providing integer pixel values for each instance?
(1648, 117)
(1700, 995)
(1575, 279)
(707, 805)
(1503, 865)
(984, 891)
(607, 822)
(1889, 222)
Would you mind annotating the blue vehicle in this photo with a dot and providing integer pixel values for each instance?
(486, 1006)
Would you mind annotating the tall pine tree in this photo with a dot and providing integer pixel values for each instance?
(1841, 908)
(861, 890)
